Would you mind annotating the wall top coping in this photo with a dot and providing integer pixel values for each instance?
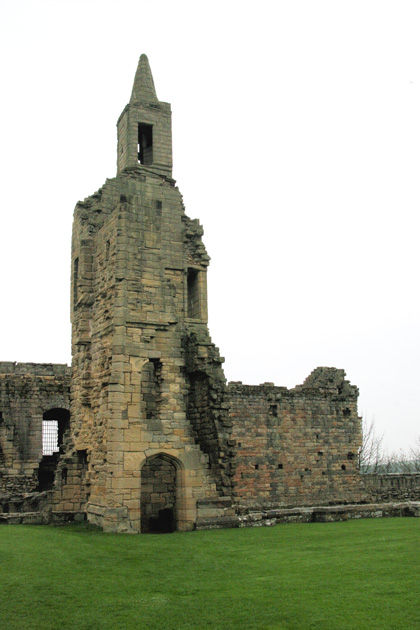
(35, 369)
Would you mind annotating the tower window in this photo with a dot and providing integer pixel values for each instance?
(145, 144)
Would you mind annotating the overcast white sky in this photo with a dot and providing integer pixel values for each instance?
(296, 129)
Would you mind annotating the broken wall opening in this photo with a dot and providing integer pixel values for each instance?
(158, 495)
(55, 423)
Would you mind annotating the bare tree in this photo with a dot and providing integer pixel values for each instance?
(374, 459)
(395, 462)
(402, 461)
(371, 452)
(415, 455)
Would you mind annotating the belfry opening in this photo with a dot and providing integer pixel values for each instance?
(145, 144)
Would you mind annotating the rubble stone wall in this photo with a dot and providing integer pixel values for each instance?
(391, 487)
(296, 447)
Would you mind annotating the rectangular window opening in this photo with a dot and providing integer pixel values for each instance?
(193, 294)
(145, 144)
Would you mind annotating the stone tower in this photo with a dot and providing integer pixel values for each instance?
(150, 434)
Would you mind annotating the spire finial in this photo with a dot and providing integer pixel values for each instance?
(143, 88)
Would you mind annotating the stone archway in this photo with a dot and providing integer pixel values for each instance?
(160, 494)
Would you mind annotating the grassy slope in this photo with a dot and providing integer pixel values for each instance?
(356, 575)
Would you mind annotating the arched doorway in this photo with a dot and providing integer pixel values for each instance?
(159, 494)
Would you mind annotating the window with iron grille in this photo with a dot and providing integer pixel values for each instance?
(49, 437)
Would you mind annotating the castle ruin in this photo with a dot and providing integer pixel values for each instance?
(143, 434)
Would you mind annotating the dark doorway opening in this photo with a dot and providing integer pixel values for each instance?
(46, 472)
(163, 523)
(158, 495)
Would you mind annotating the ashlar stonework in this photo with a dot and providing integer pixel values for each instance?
(156, 440)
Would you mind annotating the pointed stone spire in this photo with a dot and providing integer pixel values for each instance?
(144, 87)
(144, 128)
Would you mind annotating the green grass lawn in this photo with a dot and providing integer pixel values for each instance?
(360, 575)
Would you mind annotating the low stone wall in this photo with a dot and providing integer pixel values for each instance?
(317, 514)
(391, 487)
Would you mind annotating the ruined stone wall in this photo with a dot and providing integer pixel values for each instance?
(296, 447)
(208, 409)
(390, 487)
(27, 391)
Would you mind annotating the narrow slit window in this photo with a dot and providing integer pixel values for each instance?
(75, 281)
(145, 144)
